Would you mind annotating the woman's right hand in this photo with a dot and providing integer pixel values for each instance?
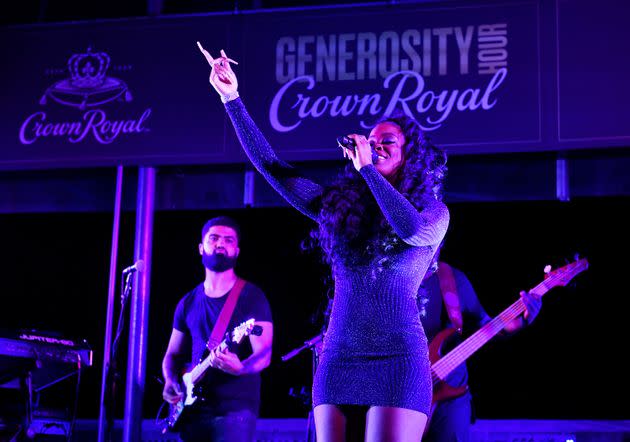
(361, 156)
(222, 77)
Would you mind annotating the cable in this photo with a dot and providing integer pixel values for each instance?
(75, 408)
(112, 367)
(158, 419)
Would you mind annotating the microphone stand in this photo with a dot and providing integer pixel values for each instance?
(313, 341)
(113, 374)
(313, 344)
(307, 344)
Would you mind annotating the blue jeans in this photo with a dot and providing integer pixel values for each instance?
(203, 425)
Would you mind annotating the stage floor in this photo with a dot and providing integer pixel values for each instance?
(296, 430)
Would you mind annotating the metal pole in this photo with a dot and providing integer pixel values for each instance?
(155, 7)
(111, 296)
(562, 178)
(139, 314)
(248, 188)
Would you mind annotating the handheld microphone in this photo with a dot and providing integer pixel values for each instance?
(139, 266)
(348, 143)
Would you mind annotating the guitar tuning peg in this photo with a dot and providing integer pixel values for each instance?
(547, 269)
(576, 257)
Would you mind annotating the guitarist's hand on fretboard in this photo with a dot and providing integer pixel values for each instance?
(532, 303)
(228, 362)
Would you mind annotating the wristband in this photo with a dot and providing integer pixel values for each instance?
(229, 97)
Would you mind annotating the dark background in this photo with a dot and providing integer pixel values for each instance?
(567, 365)
(55, 239)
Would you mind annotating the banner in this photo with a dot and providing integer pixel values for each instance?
(467, 74)
(136, 91)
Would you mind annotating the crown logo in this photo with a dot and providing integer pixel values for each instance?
(87, 86)
(87, 70)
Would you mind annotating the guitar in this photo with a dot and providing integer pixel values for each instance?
(192, 378)
(441, 367)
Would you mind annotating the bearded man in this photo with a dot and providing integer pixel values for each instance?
(228, 396)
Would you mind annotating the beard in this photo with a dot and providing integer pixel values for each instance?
(218, 262)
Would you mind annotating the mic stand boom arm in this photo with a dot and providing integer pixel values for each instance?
(307, 344)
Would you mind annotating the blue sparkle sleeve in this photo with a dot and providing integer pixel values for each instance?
(417, 228)
(300, 192)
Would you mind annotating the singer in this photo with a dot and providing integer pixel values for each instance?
(379, 225)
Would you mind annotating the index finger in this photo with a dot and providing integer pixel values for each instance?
(206, 54)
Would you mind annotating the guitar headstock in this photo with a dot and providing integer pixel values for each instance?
(242, 330)
(563, 275)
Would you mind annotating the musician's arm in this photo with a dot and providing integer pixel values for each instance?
(471, 307)
(259, 359)
(261, 350)
(172, 364)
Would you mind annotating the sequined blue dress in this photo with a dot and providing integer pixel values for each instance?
(375, 351)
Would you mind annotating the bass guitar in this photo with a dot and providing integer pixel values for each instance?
(442, 366)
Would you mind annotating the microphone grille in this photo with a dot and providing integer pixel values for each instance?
(140, 265)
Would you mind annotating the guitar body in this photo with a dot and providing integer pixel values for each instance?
(441, 390)
(176, 410)
(190, 394)
(194, 376)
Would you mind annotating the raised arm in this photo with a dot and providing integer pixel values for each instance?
(423, 227)
(300, 192)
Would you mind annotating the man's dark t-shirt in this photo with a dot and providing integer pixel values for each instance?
(195, 316)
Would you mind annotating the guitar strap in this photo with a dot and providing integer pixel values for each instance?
(220, 327)
(448, 287)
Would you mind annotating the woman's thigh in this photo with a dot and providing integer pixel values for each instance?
(394, 424)
(330, 423)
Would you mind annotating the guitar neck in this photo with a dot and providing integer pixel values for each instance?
(463, 351)
(200, 369)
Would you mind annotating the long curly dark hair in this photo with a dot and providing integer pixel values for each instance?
(352, 228)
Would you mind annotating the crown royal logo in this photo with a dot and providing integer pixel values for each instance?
(87, 87)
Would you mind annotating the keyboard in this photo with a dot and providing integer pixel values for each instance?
(44, 347)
